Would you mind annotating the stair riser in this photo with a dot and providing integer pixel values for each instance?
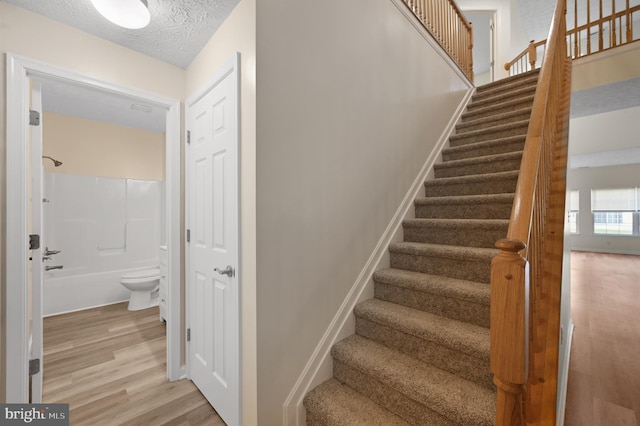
(492, 121)
(468, 367)
(487, 135)
(466, 269)
(492, 149)
(483, 111)
(465, 211)
(444, 171)
(468, 236)
(412, 411)
(461, 310)
(433, 189)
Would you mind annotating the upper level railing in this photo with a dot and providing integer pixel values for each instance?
(526, 275)
(446, 23)
(594, 26)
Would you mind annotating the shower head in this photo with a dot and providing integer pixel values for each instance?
(56, 163)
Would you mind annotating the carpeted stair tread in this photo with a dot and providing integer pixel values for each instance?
(478, 149)
(467, 263)
(517, 93)
(456, 400)
(454, 346)
(466, 199)
(436, 284)
(489, 109)
(510, 82)
(461, 224)
(453, 298)
(489, 183)
(460, 336)
(457, 232)
(334, 403)
(479, 165)
(523, 113)
(441, 250)
(505, 85)
(493, 132)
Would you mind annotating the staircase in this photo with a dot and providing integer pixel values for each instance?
(420, 354)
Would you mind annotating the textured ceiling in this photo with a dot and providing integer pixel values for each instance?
(179, 29)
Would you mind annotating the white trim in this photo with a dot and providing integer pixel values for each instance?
(17, 250)
(563, 384)
(17, 253)
(319, 366)
(231, 66)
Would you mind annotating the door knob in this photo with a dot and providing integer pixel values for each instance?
(228, 271)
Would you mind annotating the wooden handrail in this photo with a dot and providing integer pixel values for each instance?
(526, 60)
(582, 33)
(524, 310)
(444, 20)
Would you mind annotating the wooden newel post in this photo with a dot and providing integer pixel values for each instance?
(509, 330)
(533, 54)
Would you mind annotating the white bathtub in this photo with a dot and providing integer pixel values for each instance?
(77, 292)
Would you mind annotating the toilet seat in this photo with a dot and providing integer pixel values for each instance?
(140, 276)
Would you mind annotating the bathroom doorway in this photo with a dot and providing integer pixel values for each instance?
(22, 71)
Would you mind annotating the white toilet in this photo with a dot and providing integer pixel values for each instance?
(143, 285)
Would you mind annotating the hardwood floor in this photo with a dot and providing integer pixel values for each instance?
(109, 365)
(604, 371)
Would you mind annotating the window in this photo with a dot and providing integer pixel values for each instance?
(615, 211)
(574, 207)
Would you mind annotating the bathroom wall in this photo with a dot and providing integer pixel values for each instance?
(103, 227)
(95, 148)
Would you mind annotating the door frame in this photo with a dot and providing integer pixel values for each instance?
(231, 65)
(19, 69)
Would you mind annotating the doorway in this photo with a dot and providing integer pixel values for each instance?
(20, 71)
(483, 22)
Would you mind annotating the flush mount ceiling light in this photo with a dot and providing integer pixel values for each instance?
(132, 14)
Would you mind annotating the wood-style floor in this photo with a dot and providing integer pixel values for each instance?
(604, 371)
(109, 365)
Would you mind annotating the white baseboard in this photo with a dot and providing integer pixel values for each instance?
(320, 366)
(563, 383)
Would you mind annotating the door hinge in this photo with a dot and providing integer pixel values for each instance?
(34, 118)
(34, 366)
(188, 334)
(188, 235)
(34, 242)
(189, 136)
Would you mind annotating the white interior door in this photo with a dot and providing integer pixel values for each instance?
(37, 267)
(214, 350)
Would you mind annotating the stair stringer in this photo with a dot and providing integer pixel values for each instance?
(320, 365)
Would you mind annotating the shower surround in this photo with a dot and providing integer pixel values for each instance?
(104, 228)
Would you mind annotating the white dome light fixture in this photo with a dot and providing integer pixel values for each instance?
(132, 14)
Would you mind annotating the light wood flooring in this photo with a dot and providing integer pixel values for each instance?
(109, 364)
(604, 371)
